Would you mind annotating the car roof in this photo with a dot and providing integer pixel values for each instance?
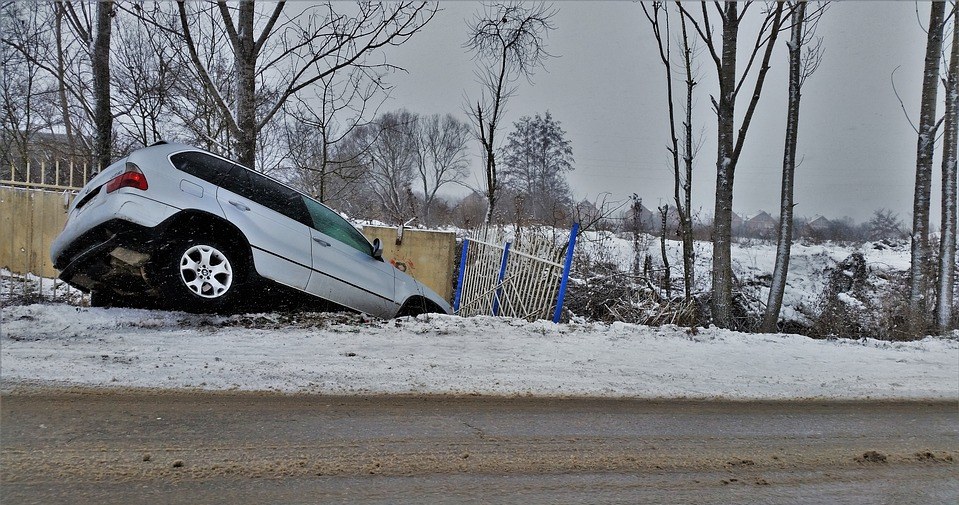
(170, 148)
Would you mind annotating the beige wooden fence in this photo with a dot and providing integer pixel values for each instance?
(29, 221)
(33, 203)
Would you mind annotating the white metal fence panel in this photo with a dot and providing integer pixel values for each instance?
(516, 276)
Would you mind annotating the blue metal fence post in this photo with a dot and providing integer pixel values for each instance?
(459, 280)
(566, 266)
(499, 282)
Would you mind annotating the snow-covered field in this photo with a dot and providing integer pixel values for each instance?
(753, 263)
(65, 345)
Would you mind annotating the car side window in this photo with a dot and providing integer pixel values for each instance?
(268, 193)
(203, 166)
(334, 226)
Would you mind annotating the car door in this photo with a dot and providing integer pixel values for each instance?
(272, 217)
(344, 269)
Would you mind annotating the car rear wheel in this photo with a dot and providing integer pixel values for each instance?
(202, 275)
(103, 298)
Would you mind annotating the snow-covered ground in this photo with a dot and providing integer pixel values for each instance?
(753, 263)
(346, 354)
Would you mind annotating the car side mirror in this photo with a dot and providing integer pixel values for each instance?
(377, 249)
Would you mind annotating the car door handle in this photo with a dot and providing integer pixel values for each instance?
(239, 205)
(321, 242)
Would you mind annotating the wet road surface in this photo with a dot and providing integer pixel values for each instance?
(185, 447)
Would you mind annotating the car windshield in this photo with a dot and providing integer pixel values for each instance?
(331, 224)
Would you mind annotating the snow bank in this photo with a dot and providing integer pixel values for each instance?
(342, 354)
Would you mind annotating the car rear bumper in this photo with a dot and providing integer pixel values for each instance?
(113, 253)
(124, 206)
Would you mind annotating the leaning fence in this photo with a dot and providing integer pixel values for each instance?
(513, 275)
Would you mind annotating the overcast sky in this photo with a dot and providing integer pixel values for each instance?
(607, 88)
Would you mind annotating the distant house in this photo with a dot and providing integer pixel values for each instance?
(587, 212)
(820, 226)
(643, 220)
(817, 228)
(761, 225)
(738, 225)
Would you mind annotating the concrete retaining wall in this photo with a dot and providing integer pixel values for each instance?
(427, 256)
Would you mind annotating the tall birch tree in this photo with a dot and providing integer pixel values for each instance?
(801, 65)
(730, 143)
(947, 240)
(918, 282)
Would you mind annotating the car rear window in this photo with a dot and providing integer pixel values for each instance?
(209, 168)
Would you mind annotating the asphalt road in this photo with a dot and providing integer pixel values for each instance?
(147, 447)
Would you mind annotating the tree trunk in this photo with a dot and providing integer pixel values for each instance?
(324, 162)
(925, 151)
(686, 225)
(722, 297)
(245, 86)
(947, 241)
(490, 181)
(102, 116)
(636, 215)
(61, 80)
(667, 274)
(784, 239)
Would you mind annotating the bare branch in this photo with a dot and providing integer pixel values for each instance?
(892, 80)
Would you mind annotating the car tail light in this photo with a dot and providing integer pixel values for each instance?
(132, 178)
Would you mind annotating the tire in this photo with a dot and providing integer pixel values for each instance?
(103, 298)
(202, 275)
(417, 305)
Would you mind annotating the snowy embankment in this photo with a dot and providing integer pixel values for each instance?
(345, 354)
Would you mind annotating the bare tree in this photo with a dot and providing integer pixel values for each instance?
(329, 171)
(884, 224)
(947, 238)
(22, 82)
(441, 156)
(64, 55)
(391, 157)
(92, 32)
(291, 53)
(682, 177)
(729, 143)
(509, 41)
(316, 136)
(803, 61)
(143, 73)
(918, 283)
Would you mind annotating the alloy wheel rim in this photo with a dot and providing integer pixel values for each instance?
(206, 271)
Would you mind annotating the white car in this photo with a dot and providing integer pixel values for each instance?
(176, 224)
